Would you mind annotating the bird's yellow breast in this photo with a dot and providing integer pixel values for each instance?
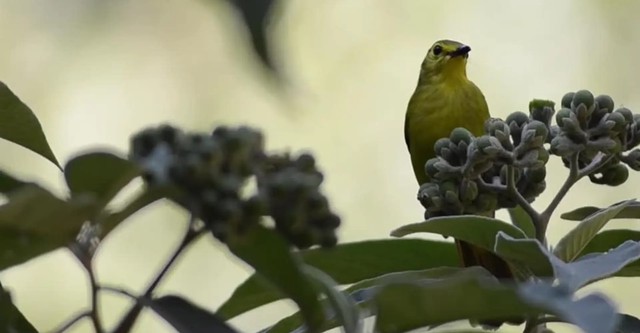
(434, 111)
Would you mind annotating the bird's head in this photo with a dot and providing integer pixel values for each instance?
(446, 59)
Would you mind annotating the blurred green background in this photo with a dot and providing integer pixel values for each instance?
(96, 71)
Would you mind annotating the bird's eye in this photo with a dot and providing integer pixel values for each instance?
(437, 50)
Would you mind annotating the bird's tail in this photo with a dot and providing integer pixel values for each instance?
(472, 255)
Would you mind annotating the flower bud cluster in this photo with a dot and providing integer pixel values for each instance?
(211, 173)
(469, 175)
(591, 127)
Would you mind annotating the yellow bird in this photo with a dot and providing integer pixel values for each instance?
(443, 100)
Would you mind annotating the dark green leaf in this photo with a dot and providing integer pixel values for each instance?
(344, 309)
(522, 220)
(609, 239)
(527, 254)
(477, 230)
(186, 317)
(255, 14)
(628, 324)
(631, 211)
(11, 319)
(8, 183)
(34, 222)
(593, 313)
(101, 174)
(350, 263)
(570, 246)
(406, 306)
(18, 124)
(269, 254)
(363, 292)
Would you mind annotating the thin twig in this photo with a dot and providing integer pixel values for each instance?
(120, 291)
(127, 322)
(512, 190)
(72, 322)
(597, 162)
(85, 259)
(95, 316)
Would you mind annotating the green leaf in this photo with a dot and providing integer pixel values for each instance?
(11, 319)
(526, 254)
(9, 183)
(531, 255)
(18, 124)
(186, 317)
(598, 266)
(34, 222)
(101, 174)
(522, 220)
(609, 239)
(628, 324)
(477, 230)
(406, 306)
(631, 211)
(349, 263)
(570, 246)
(269, 254)
(594, 313)
(362, 293)
(345, 310)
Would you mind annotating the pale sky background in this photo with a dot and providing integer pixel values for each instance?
(97, 71)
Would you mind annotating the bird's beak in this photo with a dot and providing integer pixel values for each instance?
(461, 51)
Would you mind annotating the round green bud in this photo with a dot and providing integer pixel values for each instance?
(460, 134)
(468, 191)
(567, 99)
(615, 175)
(628, 115)
(306, 162)
(535, 175)
(441, 144)
(619, 121)
(497, 125)
(543, 155)
(562, 114)
(605, 102)
(449, 186)
(517, 118)
(583, 97)
(486, 202)
(539, 127)
(633, 159)
(430, 167)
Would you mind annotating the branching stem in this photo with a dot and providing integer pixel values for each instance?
(512, 190)
(72, 322)
(127, 322)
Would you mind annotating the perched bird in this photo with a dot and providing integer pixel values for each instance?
(443, 100)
